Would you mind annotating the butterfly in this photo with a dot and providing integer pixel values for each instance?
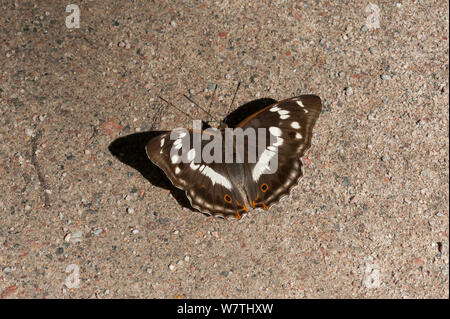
(224, 189)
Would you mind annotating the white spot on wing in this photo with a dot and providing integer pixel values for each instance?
(275, 131)
(274, 109)
(216, 177)
(175, 159)
(300, 103)
(283, 112)
(295, 125)
(207, 205)
(293, 174)
(177, 170)
(298, 136)
(278, 142)
(162, 142)
(263, 164)
(283, 117)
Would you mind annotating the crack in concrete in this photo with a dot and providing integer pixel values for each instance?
(34, 161)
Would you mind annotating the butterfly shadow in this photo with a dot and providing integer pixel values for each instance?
(130, 150)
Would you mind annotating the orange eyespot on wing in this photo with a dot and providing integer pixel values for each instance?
(264, 187)
(228, 199)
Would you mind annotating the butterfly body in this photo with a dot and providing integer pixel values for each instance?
(224, 188)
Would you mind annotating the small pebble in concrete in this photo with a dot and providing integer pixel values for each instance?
(348, 90)
(97, 231)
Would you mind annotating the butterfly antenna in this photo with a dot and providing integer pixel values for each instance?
(201, 108)
(187, 114)
(232, 101)
(212, 97)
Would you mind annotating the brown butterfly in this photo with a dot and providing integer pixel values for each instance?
(231, 189)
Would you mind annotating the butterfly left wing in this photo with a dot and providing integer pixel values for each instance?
(289, 125)
(209, 186)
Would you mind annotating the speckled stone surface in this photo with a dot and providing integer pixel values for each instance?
(368, 220)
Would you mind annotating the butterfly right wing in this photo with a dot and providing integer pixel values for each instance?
(208, 186)
(290, 123)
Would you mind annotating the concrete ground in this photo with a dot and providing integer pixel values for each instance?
(85, 214)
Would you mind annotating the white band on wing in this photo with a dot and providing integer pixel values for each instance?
(216, 177)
